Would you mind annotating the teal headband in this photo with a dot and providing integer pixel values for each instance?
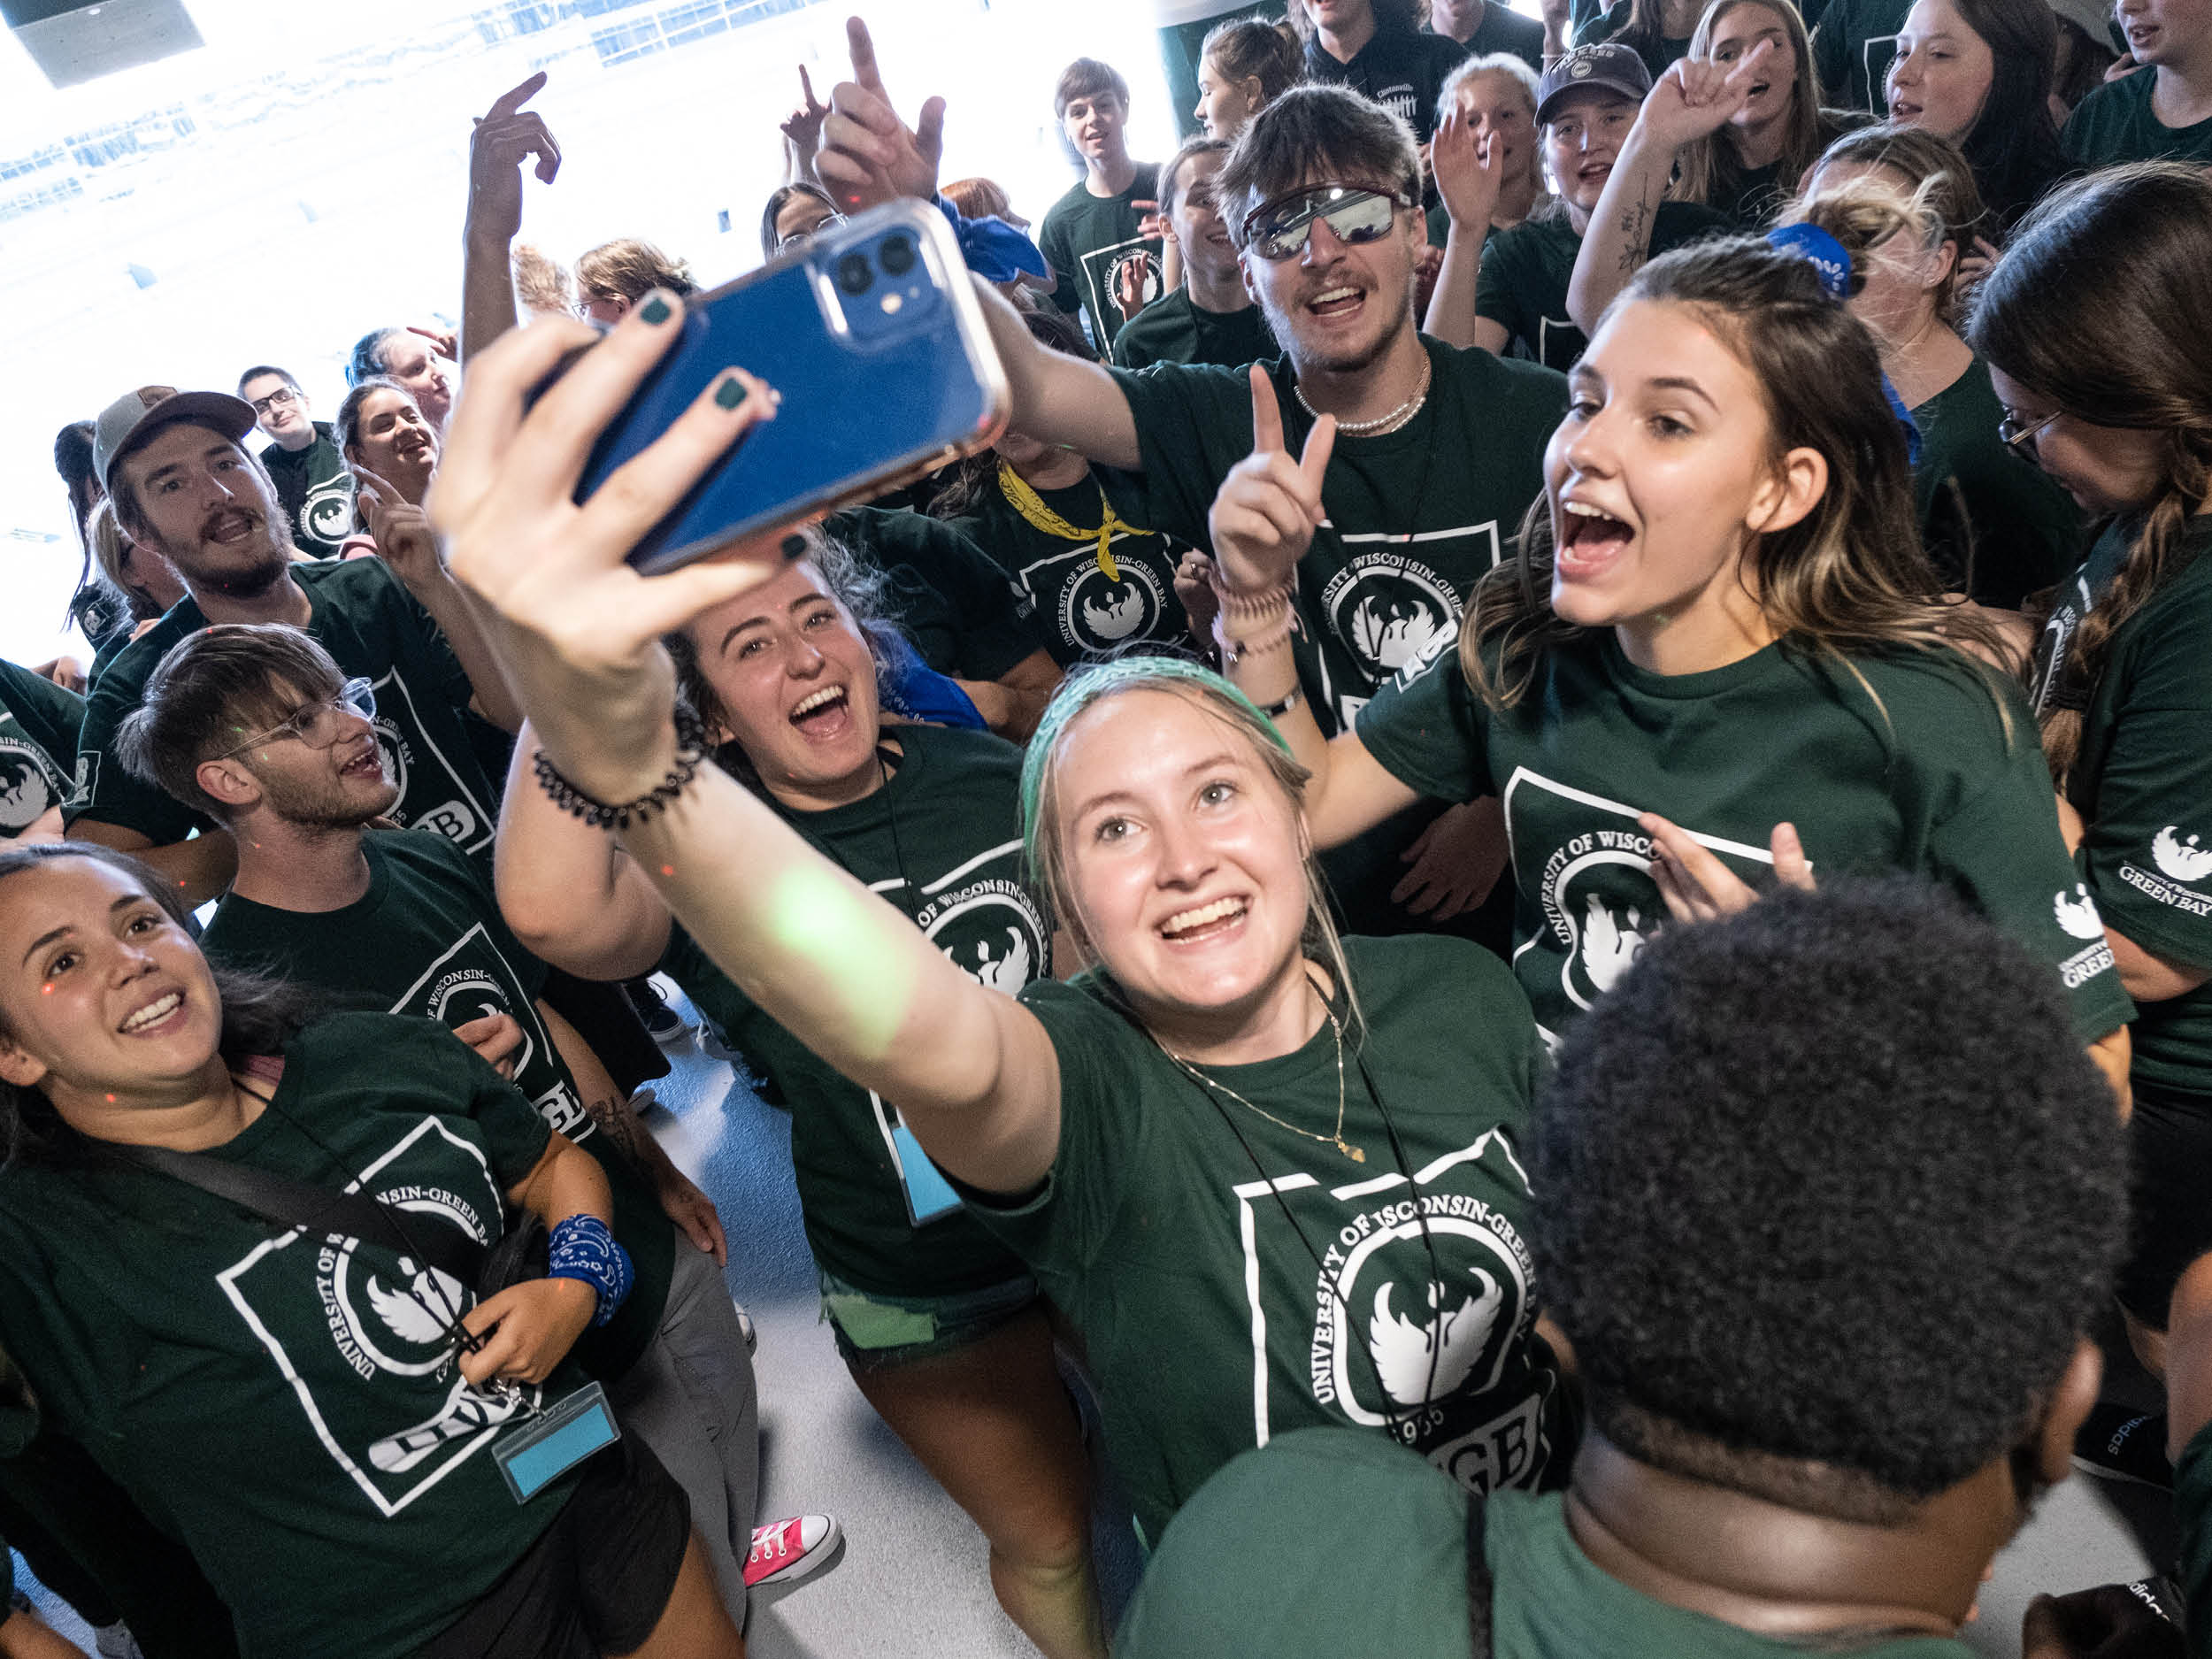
(1098, 680)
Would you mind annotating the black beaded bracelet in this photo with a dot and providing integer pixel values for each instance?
(691, 753)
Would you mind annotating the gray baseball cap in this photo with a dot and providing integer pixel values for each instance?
(1615, 68)
(136, 415)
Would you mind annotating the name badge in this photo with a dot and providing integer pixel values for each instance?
(569, 1430)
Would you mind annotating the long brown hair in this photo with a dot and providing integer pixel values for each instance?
(259, 1016)
(1710, 166)
(1850, 577)
(1265, 49)
(2099, 306)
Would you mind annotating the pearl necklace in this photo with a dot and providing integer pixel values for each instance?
(1396, 418)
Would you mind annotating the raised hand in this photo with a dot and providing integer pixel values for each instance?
(445, 341)
(1194, 587)
(1264, 517)
(577, 629)
(401, 530)
(1558, 17)
(1468, 170)
(804, 125)
(506, 134)
(1699, 887)
(868, 156)
(1695, 98)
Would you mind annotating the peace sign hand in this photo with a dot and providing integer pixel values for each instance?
(804, 125)
(1697, 98)
(868, 156)
(1264, 515)
(505, 135)
(576, 628)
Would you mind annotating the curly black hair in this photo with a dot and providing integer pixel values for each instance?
(1826, 1195)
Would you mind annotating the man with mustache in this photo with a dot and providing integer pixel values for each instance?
(184, 486)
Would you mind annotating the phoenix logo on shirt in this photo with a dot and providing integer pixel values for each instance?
(326, 515)
(390, 1319)
(28, 786)
(1098, 613)
(1418, 1307)
(1393, 612)
(2181, 860)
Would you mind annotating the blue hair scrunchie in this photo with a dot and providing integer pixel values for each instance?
(1828, 258)
(993, 249)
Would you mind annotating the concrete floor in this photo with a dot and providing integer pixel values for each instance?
(911, 1582)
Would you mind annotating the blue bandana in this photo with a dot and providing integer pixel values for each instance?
(993, 249)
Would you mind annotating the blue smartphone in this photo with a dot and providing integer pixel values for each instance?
(872, 333)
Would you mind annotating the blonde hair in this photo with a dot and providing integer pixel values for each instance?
(113, 552)
(629, 269)
(1044, 834)
(1941, 201)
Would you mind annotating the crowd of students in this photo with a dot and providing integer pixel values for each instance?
(1525, 865)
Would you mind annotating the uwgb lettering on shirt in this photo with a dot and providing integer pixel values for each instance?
(433, 789)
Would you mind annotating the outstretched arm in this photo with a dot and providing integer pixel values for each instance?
(1693, 100)
(1261, 522)
(580, 632)
(505, 136)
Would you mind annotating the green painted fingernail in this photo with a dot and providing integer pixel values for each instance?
(731, 392)
(656, 309)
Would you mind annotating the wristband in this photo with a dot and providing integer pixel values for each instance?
(691, 753)
(1247, 602)
(582, 1249)
(1235, 649)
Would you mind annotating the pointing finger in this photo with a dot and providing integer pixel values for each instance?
(863, 55)
(1267, 415)
(929, 130)
(806, 88)
(515, 97)
(1313, 461)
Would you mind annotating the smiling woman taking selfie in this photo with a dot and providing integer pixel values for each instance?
(342, 1402)
(1720, 661)
(1269, 1178)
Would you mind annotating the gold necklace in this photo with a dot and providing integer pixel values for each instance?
(1023, 497)
(1336, 1139)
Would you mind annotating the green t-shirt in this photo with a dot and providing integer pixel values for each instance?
(284, 1406)
(1075, 609)
(1416, 516)
(1926, 783)
(1217, 1313)
(1522, 283)
(38, 746)
(2142, 781)
(1854, 44)
(963, 614)
(427, 940)
(941, 840)
(1658, 51)
(1330, 1543)
(372, 628)
(1503, 29)
(1174, 330)
(317, 491)
(1973, 489)
(1088, 238)
(2115, 123)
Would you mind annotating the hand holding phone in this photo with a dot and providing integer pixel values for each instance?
(577, 629)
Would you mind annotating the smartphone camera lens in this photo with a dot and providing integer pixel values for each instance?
(854, 273)
(897, 255)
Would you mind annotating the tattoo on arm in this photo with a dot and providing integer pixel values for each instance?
(1636, 236)
(613, 1118)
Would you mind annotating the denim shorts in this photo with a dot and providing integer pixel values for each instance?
(875, 1332)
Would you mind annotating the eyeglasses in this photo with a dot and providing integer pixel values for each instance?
(283, 397)
(800, 238)
(317, 725)
(2021, 439)
(1279, 229)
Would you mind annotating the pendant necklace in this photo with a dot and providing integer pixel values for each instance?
(1335, 1138)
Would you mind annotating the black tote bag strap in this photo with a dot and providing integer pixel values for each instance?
(320, 1210)
(1478, 1574)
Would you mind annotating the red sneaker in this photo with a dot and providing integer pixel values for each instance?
(785, 1551)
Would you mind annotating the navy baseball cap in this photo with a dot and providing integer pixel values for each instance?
(1615, 68)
